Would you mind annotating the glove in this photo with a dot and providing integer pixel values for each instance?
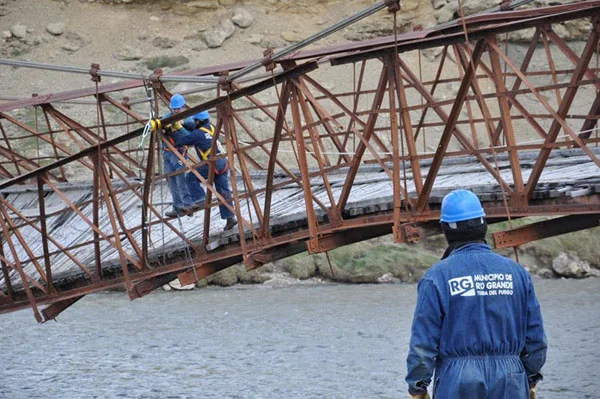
(532, 394)
(176, 126)
(419, 396)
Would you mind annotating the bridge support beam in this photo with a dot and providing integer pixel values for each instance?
(547, 228)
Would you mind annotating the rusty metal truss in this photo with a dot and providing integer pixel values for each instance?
(312, 167)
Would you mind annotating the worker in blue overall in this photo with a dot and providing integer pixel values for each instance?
(182, 200)
(200, 135)
(477, 321)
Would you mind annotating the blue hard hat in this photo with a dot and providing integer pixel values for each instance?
(177, 101)
(461, 205)
(201, 116)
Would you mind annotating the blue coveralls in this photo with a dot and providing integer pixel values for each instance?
(478, 323)
(177, 184)
(201, 139)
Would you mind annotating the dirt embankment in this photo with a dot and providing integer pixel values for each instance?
(140, 35)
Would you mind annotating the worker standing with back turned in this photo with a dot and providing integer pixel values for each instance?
(477, 321)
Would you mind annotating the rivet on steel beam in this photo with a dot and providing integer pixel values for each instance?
(94, 72)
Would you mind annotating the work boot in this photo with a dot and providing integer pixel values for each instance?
(171, 214)
(197, 205)
(186, 210)
(231, 222)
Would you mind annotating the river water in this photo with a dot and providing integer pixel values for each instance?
(319, 341)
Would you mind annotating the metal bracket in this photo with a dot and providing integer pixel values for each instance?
(223, 83)
(408, 233)
(94, 73)
(267, 62)
(393, 5)
(155, 78)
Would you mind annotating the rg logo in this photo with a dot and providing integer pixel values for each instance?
(462, 286)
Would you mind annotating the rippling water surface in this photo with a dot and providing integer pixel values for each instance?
(323, 341)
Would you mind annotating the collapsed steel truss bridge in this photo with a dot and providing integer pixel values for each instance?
(313, 167)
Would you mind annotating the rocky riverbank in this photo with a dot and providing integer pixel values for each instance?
(575, 255)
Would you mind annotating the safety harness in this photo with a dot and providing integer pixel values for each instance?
(205, 154)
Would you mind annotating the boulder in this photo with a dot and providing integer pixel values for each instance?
(545, 273)
(473, 6)
(56, 28)
(292, 36)
(215, 36)
(446, 13)
(203, 5)
(254, 39)
(300, 267)
(523, 35)
(275, 43)
(371, 28)
(224, 278)
(129, 53)
(569, 265)
(438, 3)
(74, 42)
(387, 279)
(199, 45)
(242, 17)
(71, 47)
(226, 25)
(164, 42)
(578, 29)
(252, 276)
(19, 31)
(165, 61)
